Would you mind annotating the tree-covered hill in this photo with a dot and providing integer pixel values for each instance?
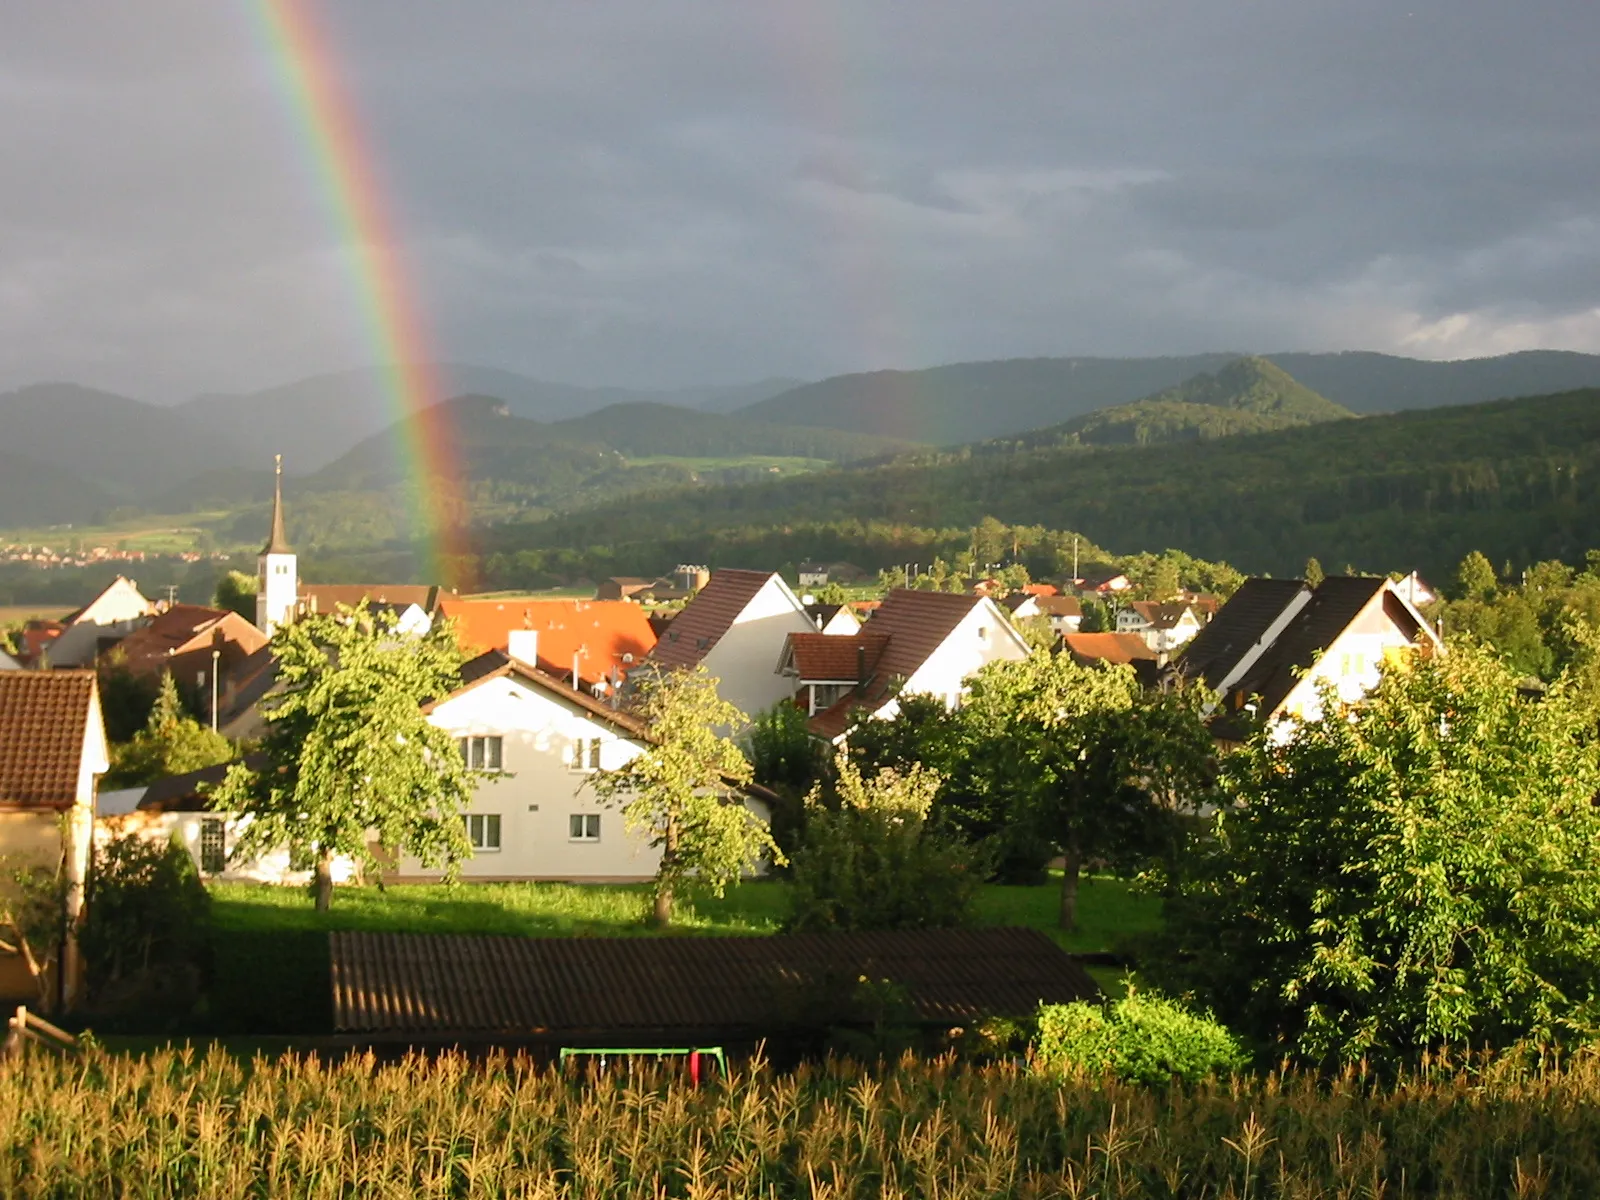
(1250, 395)
(36, 493)
(1518, 479)
(970, 401)
(649, 430)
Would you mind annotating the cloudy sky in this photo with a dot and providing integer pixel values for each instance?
(667, 192)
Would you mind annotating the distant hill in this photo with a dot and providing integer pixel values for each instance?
(313, 421)
(1518, 479)
(36, 493)
(656, 429)
(1250, 395)
(973, 401)
(128, 448)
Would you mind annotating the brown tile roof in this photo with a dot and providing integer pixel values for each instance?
(1107, 647)
(1160, 614)
(915, 624)
(708, 616)
(1239, 624)
(1060, 606)
(185, 627)
(687, 987)
(44, 716)
(836, 658)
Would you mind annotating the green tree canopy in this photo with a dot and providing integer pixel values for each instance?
(1422, 872)
(171, 743)
(685, 791)
(350, 753)
(236, 592)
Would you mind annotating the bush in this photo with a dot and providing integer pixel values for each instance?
(1144, 1038)
(876, 862)
(144, 935)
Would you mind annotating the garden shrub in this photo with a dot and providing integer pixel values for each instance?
(1143, 1038)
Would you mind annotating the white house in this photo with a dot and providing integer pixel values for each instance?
(735, 627)
(832, 619)
(1271, 648)
(813, 575)
(1164, 626)
(117, 611)
(917, 642)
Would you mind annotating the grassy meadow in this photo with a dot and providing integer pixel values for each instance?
(171, 1124)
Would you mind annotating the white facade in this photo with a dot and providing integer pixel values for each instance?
(277, 586)
(1351, 663)
(742, 658)
(210, 839)
(813, 575)
(114, 613)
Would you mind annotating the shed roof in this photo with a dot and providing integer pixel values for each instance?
(428, 984)
(44, 719)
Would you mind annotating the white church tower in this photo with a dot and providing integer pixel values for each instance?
(277, 578)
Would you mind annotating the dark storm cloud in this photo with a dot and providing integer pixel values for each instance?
(657, 192)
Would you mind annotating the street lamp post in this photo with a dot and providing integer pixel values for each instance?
(216, 656)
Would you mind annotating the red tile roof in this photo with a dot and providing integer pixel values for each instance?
(708, 616)
(608, 636)
(1107, 647)
(1041, 589)
(44, 716)
(681, 989)
(835, 658)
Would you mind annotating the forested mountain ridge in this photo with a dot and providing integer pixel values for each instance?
(1518, 479)
(973, 401)
(1250, 395)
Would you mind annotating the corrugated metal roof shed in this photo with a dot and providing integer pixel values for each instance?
(435, 985)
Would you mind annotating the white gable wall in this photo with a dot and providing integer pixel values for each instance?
(742, 659)
(1352, 664)
(538, 791)
(983, 636)
(116, 612)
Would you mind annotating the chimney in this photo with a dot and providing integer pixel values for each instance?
(576, 683)
(523, 645)
(861, 669)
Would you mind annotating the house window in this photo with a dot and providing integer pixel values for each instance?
(483, 831)
(583, 827)
(585, 754)
(983, 633)
(480, 753)
(213, 846)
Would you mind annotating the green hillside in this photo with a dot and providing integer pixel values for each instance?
(1518, 479)
(967, 402)
(1250, 395)
(659, 429)
(36, 493)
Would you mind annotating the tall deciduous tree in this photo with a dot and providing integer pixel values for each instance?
(236, 592)
(1421, 870)
(350, 753)
(685, 790)
(1096, 764)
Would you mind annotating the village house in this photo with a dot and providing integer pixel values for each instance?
(622, 587)
(1101, 581)
(52, 752)
(812, 575)
(1064, 613)
(191, 642)
(735, 627)
(1277, 642)
(1164, 625)
(1114, 649)
(36, 638)
(922, 643)
(117, 611)
(833, 619)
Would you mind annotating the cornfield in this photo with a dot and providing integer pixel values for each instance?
(173, 1124)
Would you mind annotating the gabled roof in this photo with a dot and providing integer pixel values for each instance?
(708, 616)
(1159, 614)
(914, 624)
(834, 658)
(186, 627)
(680, 991)
(73, 617)
(1239, 625)
(1017, 599)
(1107, 647)
(1060, 606)
(494, 665)
(607, 636)
(1337, 601)
(44, 721)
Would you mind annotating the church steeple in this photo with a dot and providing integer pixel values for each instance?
(277, 541)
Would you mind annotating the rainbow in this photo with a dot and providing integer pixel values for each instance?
(342, 158)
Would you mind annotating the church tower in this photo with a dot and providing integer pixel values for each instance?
(277, 578)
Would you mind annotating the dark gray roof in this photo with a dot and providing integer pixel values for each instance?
(1239, 624)
(1337, 601)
